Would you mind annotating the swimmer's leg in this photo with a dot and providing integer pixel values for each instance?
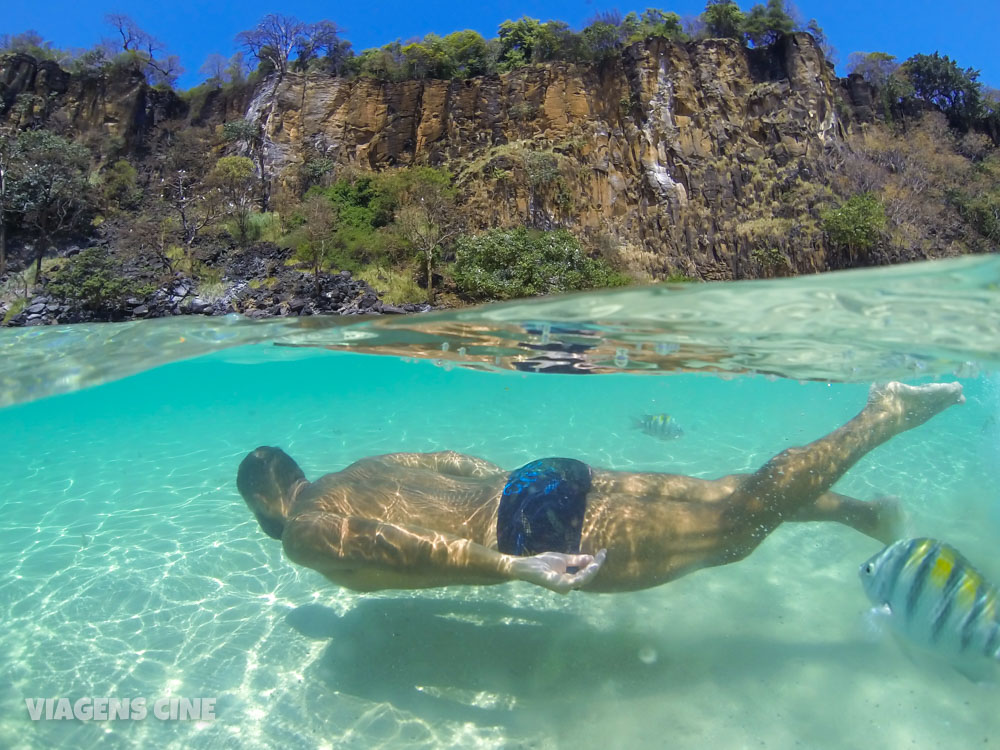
(796, 478)
(882, 518)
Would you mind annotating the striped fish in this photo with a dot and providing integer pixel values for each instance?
(932, 595)
(660, 426)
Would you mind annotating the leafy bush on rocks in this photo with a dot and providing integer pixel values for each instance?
(94, 279)
(857, 224)
(509, 263)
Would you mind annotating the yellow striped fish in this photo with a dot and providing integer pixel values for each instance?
(660, 426)
(932, 595)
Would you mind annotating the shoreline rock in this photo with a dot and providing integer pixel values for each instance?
(258, 283)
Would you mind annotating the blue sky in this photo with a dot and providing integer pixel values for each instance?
(966, 31)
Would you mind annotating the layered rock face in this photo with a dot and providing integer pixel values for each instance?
(704, 159)
(695, 158)
(113, 114)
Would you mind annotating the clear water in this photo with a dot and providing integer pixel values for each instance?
(131, 567)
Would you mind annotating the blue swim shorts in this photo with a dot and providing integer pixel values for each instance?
(542, 507)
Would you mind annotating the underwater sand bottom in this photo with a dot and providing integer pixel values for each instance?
(132, 569)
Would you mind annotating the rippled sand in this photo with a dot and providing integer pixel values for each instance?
(132, 568)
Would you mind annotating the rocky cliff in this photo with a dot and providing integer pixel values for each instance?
(113, 113)
(704, 159)
(695, 158)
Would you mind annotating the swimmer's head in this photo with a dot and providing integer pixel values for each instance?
(268, 479)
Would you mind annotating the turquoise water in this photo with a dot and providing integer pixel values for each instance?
(133, 568)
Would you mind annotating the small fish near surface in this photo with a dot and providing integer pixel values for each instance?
(661, 426)
(933, 597)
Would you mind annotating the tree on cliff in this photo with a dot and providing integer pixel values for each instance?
(468, 52)
(150, 52)
(939, 81)
(273, 40)
(32, 43)
(321, 47)
(765, 24)
(893, 89)
(220, 71)
(653, 22)
(47, 185)
(723, 19)
(276, 37)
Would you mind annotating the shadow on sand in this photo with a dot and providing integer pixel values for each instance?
(477, 661)
(498, 665)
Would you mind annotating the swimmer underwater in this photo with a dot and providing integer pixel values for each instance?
(419, 520)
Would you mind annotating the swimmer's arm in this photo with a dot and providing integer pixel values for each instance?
(365, 554)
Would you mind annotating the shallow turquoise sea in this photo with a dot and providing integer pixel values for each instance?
(132, 568)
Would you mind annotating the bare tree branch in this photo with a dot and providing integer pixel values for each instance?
(273, 40)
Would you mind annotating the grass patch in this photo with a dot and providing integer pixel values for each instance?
(396, 287)
(15, 309)
(261, 227)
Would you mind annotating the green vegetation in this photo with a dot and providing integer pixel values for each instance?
(234, 177)
(119, 187)
(934, 80)
(199, 188)
(398, 217)
(44, 187)
(510, 263)
(262, 227)
(978, 199)
(318, 245)
(857, 224)
(95, 280)
(772, 262)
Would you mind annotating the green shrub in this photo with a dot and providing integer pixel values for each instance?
(982, 211)
(93, 279)
(857, 224)
(119, 186)
(509, 263)
(771, 261)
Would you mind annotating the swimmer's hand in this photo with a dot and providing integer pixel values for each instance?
(551, 570)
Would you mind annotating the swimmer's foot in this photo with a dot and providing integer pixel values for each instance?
(890, 520)
(912, 405)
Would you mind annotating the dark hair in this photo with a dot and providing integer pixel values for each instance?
(266, 479)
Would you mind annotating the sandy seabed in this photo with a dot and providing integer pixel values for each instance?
(133, 569)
